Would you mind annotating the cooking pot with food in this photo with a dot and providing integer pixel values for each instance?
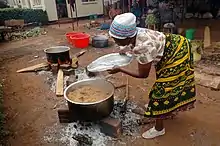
(90, 99)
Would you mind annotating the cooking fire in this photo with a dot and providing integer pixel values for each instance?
(93, 121)
(116, 125)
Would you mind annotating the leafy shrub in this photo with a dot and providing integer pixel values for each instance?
(29, 15)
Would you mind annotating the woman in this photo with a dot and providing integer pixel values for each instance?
(174, 88)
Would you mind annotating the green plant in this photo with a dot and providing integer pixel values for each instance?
(29, 15)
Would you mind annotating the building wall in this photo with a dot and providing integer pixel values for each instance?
(50, 7)
(83, 8)
(86, 9)
(11, 2)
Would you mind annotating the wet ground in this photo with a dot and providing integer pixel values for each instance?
(31, 106)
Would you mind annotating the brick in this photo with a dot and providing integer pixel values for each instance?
(71, 80)
(111, 127)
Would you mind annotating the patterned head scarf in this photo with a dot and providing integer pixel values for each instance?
(123, 26)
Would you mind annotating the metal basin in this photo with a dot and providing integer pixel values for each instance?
(95, 110)
(109, 61)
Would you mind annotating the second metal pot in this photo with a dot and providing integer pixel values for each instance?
(100, 41)
(58, 55)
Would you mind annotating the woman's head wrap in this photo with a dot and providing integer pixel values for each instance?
(123, 26)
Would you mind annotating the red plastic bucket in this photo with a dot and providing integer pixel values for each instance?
(80, 40)
(70, 34)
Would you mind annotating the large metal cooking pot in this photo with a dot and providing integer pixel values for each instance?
(58, 54)
(91, 111)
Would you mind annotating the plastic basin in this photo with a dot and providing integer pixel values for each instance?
(80, 40)
(70, 34)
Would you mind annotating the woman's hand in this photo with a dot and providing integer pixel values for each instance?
(114, 70)
(125, 49)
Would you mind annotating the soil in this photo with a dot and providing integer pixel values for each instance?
(31, 107)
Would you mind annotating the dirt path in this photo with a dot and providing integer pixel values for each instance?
(30, 104)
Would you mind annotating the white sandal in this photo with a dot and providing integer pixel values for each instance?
(152, 133)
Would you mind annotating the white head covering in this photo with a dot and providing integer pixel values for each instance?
(123, 26)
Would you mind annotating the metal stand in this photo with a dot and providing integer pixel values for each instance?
(77, 23)
(71, 13)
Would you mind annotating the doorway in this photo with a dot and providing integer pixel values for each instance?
(62, 8)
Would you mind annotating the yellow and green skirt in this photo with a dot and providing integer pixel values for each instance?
(174, 89)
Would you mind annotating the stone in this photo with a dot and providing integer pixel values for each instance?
(71, 80)
(83, 139)
(111, 127)
(65, 66)
(209, 81)
(69, 71)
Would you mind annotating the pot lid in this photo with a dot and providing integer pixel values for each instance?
(100, 38)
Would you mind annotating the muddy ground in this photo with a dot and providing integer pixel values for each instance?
(31, 107)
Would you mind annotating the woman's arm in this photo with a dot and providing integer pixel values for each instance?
(142, 72)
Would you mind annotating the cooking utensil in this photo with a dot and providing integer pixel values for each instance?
(79, 54)
(58, 55)
(124, 107)
(100, 41)
(109, 61)
(91, 111)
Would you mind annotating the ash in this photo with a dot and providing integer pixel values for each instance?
(62, 134)
(51, 79)
(129, 120)
(67, 131)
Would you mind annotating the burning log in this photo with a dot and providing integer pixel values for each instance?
(83, 140)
